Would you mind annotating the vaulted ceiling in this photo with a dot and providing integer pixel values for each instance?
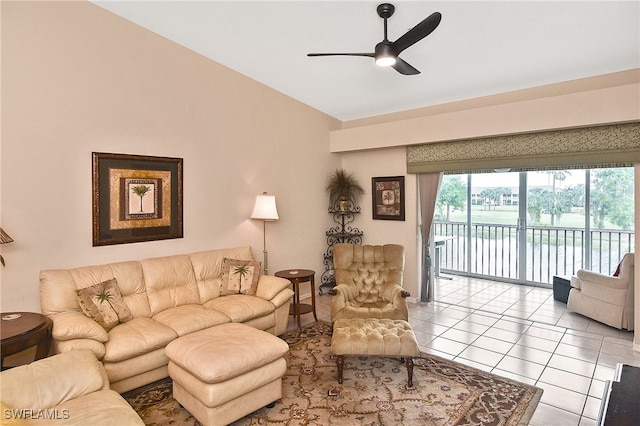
(480, 47)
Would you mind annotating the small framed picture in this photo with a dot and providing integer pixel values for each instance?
(136, 198)
(387, 194)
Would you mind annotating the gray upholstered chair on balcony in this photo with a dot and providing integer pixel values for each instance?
(369, 282)
(605, 298)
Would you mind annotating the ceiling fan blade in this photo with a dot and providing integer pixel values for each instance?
(370, 55)
(417, 33)
(404, 68)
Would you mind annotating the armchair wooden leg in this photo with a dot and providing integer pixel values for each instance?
(340, 364)
(410, 371)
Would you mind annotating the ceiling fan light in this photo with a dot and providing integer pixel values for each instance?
(385, 61)
(385, 56)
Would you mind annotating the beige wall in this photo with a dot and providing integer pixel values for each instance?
(606, 99)
(380, 163)
(77, 79)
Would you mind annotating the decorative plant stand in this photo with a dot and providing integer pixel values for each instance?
(343, 232)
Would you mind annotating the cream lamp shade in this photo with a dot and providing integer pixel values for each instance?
(265, 208)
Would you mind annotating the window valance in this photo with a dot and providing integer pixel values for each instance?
(611, 146)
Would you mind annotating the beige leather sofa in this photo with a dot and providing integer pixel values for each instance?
(168, 297)
(605, 298)
(65, 389)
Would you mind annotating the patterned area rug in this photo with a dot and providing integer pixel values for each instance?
(374, 392)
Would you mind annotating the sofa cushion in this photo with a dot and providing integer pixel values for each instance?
(239, 276)
(186, 319)
(136, 337)
(240, 307)
(103, 303)
(221, 353)
(207, 266)
(131, 284)
(170, 281)
(125, 371)
(51, 381)
(104, 408)
(58, 287)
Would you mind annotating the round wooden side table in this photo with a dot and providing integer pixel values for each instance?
(22, 330)
(297, 276)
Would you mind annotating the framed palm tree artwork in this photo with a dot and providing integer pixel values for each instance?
(136, 198)
(387, 195)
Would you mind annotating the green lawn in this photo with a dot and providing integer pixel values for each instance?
(508, 215)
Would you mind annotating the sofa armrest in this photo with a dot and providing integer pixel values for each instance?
(575, 282)
(344, 292)
(601, 279)
(285, 296)
(75, 325)
(391, 292)
(270, 286)
(341, 293)
(98, 348)
(51, 381)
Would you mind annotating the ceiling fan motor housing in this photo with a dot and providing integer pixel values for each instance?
(385, 10)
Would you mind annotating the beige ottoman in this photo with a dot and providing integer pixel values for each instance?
(223, 373)
(376, 337)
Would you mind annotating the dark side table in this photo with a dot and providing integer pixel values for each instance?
(561, 288)
(23, 330)
(297, 276)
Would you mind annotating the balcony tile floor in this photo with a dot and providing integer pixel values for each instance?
(519, 332)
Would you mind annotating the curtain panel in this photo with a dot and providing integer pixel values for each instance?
(428, 185)
(589, 147)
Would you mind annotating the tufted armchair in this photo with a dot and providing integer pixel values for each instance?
(369, 282)
(605, 298)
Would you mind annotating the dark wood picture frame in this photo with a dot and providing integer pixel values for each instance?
(136, 198)
(387, 196)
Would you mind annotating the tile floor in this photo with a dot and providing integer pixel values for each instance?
(519, 332)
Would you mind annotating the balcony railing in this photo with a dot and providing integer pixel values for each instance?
(493, 250)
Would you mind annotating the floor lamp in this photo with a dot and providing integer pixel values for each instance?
(265, 210)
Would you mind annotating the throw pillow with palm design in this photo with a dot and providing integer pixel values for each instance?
(103, 303)
(239, 276)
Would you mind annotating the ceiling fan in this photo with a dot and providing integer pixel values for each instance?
(386, 52)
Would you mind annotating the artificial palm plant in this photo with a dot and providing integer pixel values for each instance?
(343, 189)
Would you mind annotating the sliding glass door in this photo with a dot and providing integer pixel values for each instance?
(529, 226)
(555, 231)
(494, 224)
